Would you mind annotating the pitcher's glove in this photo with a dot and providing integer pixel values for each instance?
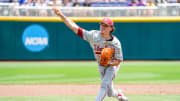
(106, 56)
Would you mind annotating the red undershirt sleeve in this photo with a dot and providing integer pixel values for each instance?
(80, 32)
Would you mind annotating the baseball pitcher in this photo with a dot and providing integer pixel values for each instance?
(107, 51)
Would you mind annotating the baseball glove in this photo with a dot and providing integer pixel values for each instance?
(106, 56)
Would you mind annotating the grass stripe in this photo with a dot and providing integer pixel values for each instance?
(155, 72)
(92, 98)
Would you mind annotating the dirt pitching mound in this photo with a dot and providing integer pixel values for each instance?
(53, 90)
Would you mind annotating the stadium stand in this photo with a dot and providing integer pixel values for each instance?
(88, 3)
(90, 8)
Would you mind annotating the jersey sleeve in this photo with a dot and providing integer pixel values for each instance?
(84, 34)
(118, 51)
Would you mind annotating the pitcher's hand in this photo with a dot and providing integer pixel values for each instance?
(57, 12)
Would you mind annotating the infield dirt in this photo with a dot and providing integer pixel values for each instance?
(73, 89)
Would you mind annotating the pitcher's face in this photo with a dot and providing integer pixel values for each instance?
(104, 28)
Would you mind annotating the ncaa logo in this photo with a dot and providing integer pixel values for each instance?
(35, 38)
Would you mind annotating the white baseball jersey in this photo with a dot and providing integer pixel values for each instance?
(98, 43)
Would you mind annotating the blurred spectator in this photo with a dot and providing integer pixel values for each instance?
(178, 11)
(87, 13)
(15, 11)
(22, 2)
(132, 3)
(150, 12)
(67, 3)
(77, 0)
(150, 3)
(86, 3)
(91, 0)
(141, 12)
(75, 11)
(157, 2)
(172, 1)
(42, 4)
(76, 4)
(15, 2)
(33, 3)
(141, 3)
(10, 1)
(106, 1)
(4, 1)
(55, 2)
(132, 12)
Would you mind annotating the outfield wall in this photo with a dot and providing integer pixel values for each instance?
(141, 38)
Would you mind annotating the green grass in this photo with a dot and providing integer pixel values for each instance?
(162, 72)
(92, 98)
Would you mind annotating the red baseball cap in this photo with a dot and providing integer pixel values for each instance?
(107, 21)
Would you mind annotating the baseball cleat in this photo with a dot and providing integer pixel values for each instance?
(121, 96)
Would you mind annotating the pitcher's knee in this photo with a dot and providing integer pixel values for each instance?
(104, 85)
(109, 94)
